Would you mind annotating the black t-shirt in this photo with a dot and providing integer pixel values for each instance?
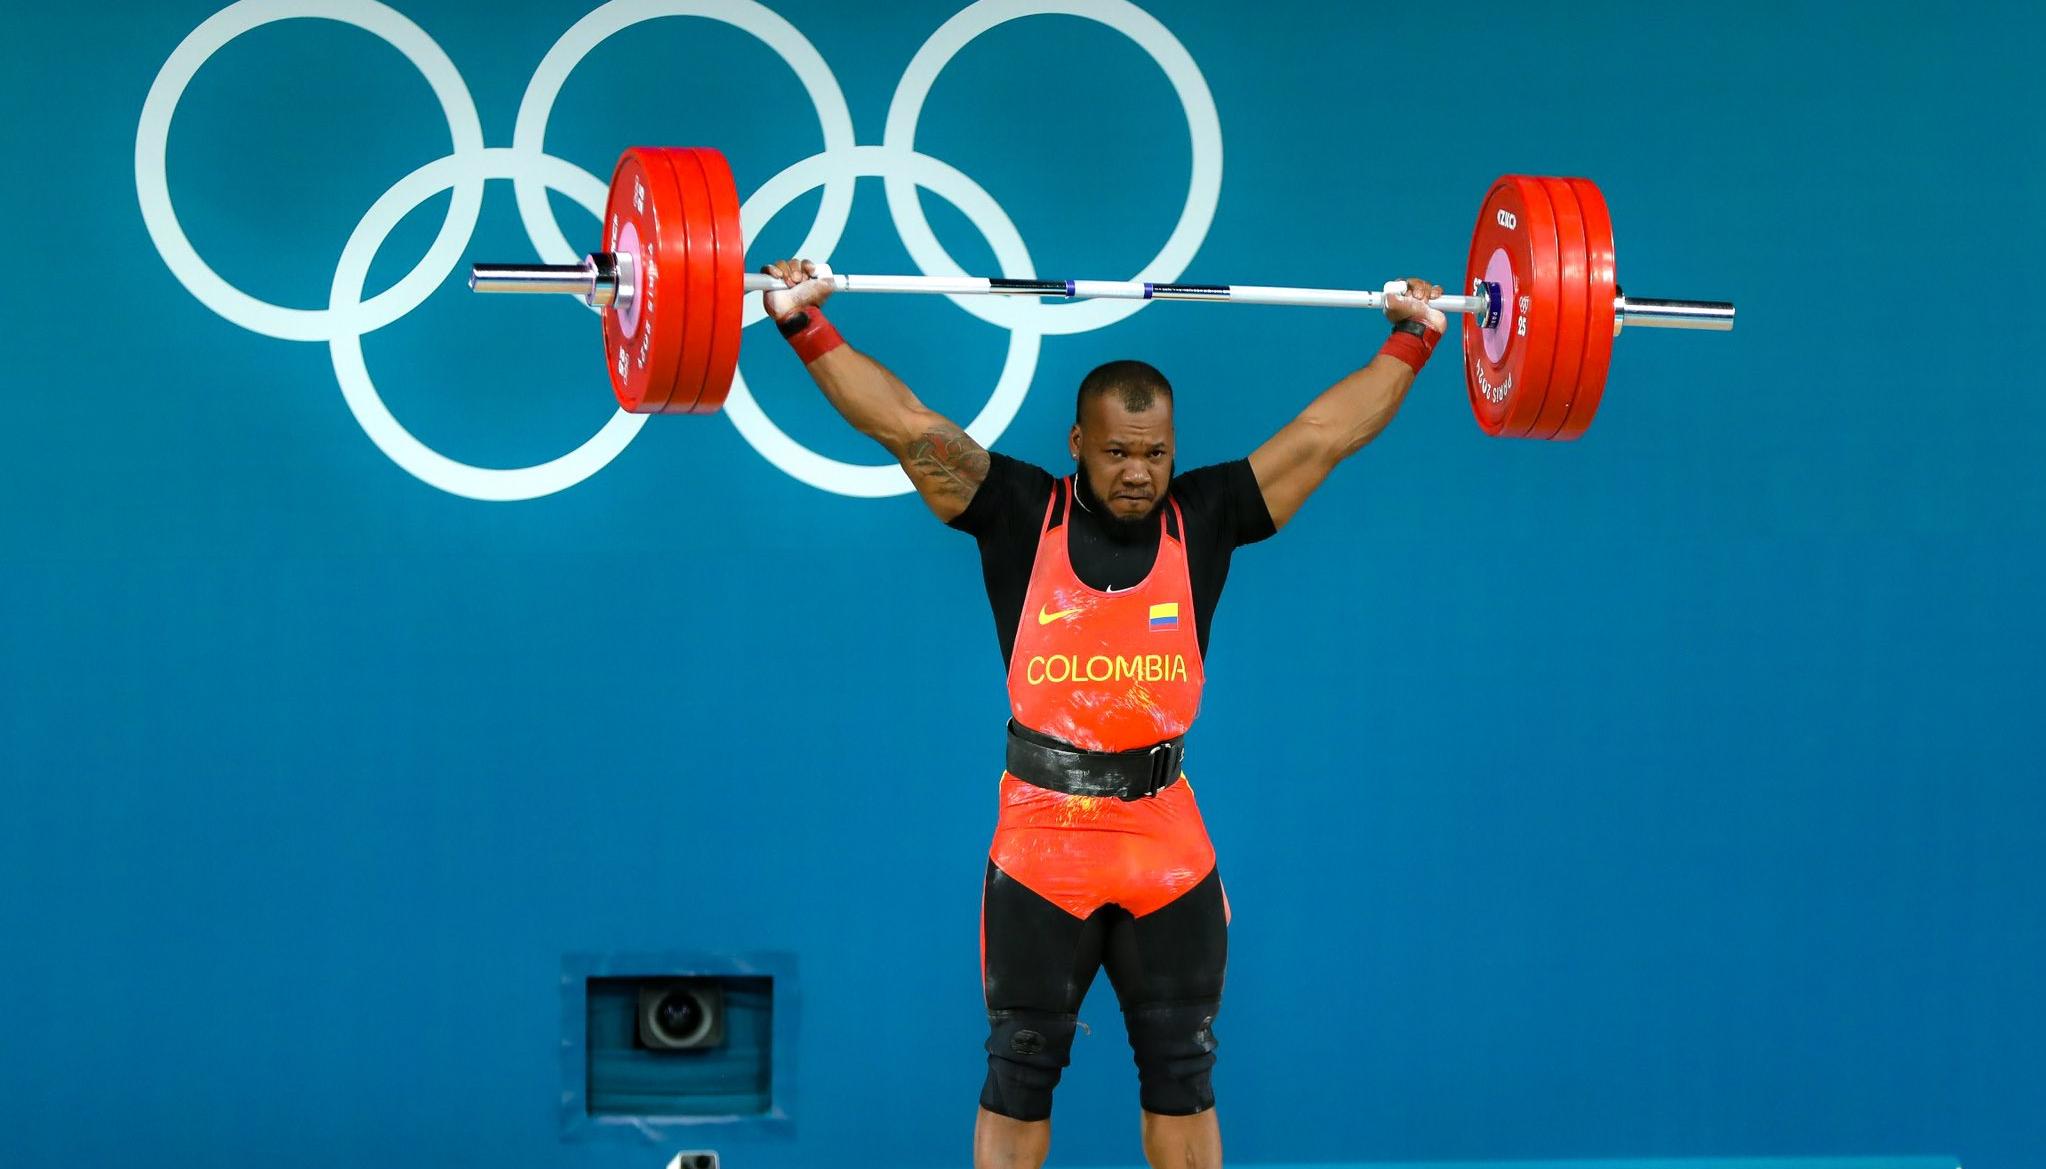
(1222, 506)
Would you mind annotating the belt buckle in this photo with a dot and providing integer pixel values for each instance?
(1161, 762)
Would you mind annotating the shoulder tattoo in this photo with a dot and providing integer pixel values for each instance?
(946, 460)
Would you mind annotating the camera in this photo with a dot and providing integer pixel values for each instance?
(681, 1014)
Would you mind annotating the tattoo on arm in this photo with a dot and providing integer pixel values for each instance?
(947, 462)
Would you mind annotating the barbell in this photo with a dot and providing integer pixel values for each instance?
(1544, 303)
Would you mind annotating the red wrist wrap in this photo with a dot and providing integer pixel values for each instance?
(814, 338)
(1413, 350)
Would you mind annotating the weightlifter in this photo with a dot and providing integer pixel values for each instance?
(1104, 585)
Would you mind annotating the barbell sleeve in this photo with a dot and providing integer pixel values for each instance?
(596, 279)
(570, 278)
(1716, 315)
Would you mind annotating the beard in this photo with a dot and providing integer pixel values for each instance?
(1131, 525)
(1117, 525)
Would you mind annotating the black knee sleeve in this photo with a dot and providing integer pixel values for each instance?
(1026, 1053)
(1175, 1048)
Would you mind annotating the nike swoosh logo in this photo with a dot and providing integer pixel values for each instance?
(1045, 616)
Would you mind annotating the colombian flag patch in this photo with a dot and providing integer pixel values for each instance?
(1165, 616)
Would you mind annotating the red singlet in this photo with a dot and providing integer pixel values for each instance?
(1104, 672)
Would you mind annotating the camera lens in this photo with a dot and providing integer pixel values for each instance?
(679, 1016)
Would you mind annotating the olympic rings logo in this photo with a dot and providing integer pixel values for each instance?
(533, 172)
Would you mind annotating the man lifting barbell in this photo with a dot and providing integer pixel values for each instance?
(1104, 585)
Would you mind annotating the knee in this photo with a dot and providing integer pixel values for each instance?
(1027, 1051)
(1174, 1044)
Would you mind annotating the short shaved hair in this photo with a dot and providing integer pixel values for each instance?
(1138, 384)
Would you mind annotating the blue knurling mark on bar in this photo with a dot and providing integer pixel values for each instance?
(1069, 289)
(1147, 290)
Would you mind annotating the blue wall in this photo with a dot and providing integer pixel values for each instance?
(1667, 794)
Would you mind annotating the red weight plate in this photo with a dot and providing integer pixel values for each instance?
(1573, 296)
(699, 292)
(1506, 367)
(667, 264)
(1539, 308)
(1603, 287)
(642, 338)
(730, 282)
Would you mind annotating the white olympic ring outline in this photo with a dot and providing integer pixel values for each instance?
(533, 172)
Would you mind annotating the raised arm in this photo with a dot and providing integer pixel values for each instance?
(943, 461)
(1347, 415)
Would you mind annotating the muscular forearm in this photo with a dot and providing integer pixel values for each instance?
(870, 397)
(943, 462)
(1351, 413)
(1336, 424)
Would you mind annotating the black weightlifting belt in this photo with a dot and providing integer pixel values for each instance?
(1045, 762)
